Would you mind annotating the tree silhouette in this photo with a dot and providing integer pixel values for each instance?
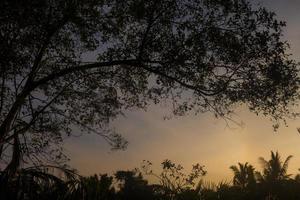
(274, 170)
(133, 186)
(202, 55)
(175, 184)
(274, 174)
(243, 175)
(98, 187)
(41, 183)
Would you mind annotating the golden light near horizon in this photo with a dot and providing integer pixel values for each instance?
(189, 140)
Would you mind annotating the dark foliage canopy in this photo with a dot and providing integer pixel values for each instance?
(70, 65)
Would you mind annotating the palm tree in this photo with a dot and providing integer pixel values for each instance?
(274, 175)
(42, 182)
(243, 175)
(274, 170)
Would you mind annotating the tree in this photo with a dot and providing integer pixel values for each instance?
(275, 170)
(274, 174)
(174, 182)
(201, 55)
(98, 187)
(133, 186)
(41, 182)
(243, 175)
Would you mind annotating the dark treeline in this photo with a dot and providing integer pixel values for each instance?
(271, 182)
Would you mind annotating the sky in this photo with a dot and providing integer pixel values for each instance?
(195, 139)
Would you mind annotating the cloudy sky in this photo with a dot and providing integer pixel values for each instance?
(196, 139)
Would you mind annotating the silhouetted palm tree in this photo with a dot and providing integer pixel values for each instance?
(274, 175)
(274, 170)
(243, 175)
(39, 183)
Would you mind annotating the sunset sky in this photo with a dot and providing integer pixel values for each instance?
(196, 139)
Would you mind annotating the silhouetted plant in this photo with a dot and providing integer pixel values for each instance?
(274, 174)
(174, 181)
(41, 183)
(98, 187)
(133, 186)
(274, 170)
(243, 175)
